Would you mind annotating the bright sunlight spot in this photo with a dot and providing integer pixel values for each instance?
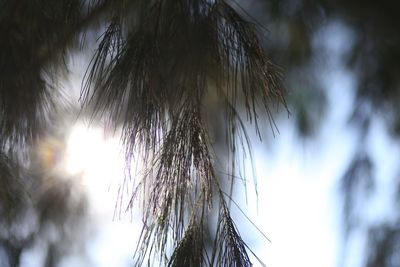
(96, 159)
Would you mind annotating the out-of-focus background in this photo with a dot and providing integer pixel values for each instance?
(328, 181)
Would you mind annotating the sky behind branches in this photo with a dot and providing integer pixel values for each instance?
(299, 206)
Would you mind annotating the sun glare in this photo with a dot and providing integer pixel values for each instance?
(95, 158)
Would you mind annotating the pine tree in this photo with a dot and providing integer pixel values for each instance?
(156, 67)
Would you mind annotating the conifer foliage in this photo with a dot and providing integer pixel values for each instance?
(155, 65)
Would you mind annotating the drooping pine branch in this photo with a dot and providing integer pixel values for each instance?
(151, 75)
(229, 247)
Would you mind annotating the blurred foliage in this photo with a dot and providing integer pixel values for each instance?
(34, 37)
(358, 180)
(40, 206)
(373, 56)
(384, 242)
